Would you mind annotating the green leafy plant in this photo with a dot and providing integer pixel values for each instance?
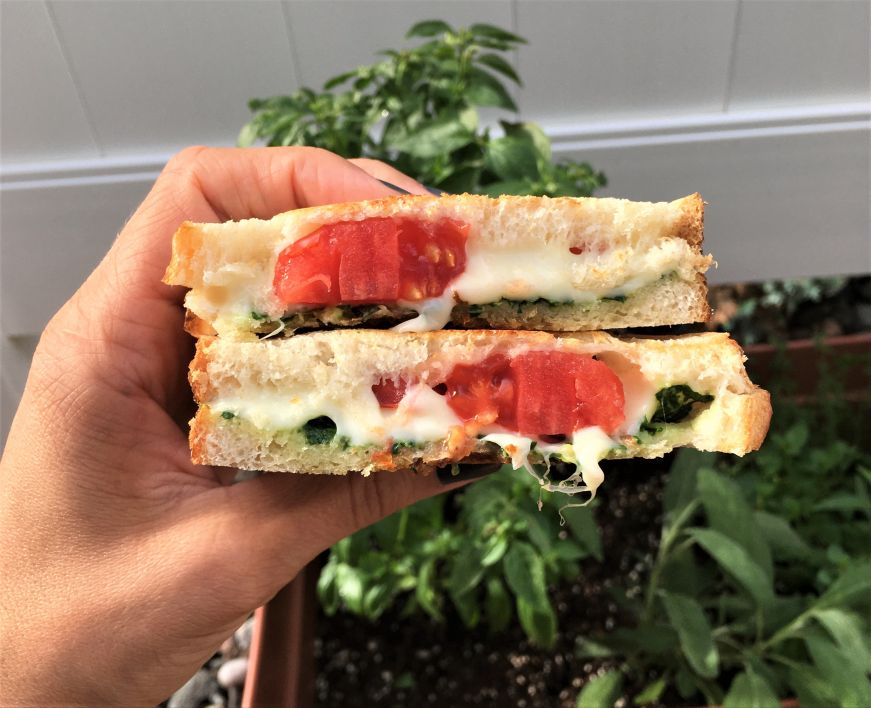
(761, 586)
(769, 310)
(492, 564)
(417, 109)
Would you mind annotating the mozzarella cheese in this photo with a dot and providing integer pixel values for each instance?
(588, 448)
(534, 270)
(421, 416)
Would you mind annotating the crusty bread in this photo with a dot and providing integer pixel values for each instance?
(338, 364)
(229, 267)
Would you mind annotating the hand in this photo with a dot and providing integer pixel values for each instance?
(124, 565)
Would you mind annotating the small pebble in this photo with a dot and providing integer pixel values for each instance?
(233, 672)
(234, 697)
(197, 690)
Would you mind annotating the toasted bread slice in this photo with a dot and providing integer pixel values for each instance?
(305, 404)
(560, 264)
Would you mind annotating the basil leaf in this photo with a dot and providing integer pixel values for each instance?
(428, 28)
(319, 431)
(676, 402)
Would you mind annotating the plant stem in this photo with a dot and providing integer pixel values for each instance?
(669, 536)
(785, 632)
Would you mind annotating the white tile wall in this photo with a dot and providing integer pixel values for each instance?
(795, 53)
(15, 356)
(596, 60)
(332, 37)
(41, 113)
(161, 75)
(778, 206)
(52, 238)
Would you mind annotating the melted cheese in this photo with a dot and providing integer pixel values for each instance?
(532, 271)
(589, 446)
(421, 416)
(432, 314)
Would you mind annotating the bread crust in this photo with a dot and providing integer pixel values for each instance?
(691, 225)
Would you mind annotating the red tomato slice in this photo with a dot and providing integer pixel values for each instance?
(368, 260)
(307, 271)
(600, 396)
(541, 393)
(483, 392)
(560, 392)
(545, 393)
(389, 393)
(378, 260)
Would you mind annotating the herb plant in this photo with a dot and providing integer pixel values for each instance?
(417, 109)
(761, 587)
(490, 565)
(771, 310)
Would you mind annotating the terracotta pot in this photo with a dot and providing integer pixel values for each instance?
(805, 357)
(281, 663)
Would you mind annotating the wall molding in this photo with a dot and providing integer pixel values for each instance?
(567, 137)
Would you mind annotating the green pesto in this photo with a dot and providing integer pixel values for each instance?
(400, 445)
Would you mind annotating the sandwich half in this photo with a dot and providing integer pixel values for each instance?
(341, 401)
(418, 263)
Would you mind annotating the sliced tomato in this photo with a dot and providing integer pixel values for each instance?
(545, 393)
(483, 392)
(600, 396)
(378, 260)
(307, 271)
(560, 392)
(389, 392)
(539, 393)
(431, 256)
(368, 260)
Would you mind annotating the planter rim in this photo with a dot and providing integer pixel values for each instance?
(793, 344)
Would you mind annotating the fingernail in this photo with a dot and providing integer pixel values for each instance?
(467, 472)
(433, 190)
(394, 187)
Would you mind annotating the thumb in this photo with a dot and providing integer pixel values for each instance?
(291, 518)
(303, 514)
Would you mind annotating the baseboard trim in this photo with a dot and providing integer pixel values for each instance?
(566, 138)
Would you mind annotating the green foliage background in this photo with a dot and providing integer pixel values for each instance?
(417, 109)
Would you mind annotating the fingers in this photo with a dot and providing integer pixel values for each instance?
(126, 303)
(293, 517)
(217, 184)
(383, 171)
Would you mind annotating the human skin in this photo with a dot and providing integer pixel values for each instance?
(123, 564)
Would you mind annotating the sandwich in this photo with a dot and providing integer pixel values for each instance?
(552, 403)
(419, 263)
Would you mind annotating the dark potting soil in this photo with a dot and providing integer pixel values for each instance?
(414, 661)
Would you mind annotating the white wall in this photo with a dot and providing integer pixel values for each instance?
(763, 107)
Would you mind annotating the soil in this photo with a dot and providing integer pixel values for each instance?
(415, 661)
